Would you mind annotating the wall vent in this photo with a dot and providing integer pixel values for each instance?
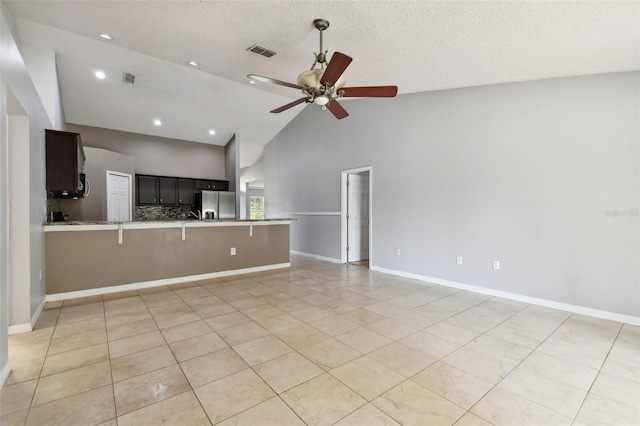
(263, 51)
(128, 78)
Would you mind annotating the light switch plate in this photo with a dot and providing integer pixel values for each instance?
(233, 251)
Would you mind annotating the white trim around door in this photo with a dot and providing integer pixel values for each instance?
(130, 190)
(344, 209)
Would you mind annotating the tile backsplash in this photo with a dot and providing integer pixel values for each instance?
(53, 204)
(161, 212)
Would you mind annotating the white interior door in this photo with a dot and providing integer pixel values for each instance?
(358, 217)
(118, 197)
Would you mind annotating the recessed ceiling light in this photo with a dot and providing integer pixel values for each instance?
(212, 132)
(101, 75)
(157, 122)
(106, 36)
(193, 63)
(252, 82)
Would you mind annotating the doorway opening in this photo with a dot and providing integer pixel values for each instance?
(355, 216)
(118, 197)
(255, 200)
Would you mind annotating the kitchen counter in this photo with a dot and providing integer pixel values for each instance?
(86, 258)
(173, 223)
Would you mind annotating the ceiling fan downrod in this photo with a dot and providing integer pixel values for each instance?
(321, 58)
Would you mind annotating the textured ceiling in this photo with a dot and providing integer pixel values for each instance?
(419, 46)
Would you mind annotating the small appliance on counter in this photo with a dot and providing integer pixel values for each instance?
(219, 205)
(56, 217)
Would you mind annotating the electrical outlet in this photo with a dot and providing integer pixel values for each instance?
(233, 251)
(496, 264)
(458, 260)
(397, 252)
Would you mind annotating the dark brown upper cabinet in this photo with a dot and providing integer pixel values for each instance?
(147, 189)
(168, 191)
(204, 185)
(212, 185)
(172, 191)
(65, 161)
(186, 192)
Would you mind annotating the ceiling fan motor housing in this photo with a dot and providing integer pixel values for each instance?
(312, 79)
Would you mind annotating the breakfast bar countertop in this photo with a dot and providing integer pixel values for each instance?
(156, 224)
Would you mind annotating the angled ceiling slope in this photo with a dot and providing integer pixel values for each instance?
(416, 45)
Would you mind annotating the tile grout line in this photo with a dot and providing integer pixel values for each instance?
(113, 388)
(597, 374)
(43, 363)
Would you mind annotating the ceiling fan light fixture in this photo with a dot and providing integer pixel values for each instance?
(321, 100)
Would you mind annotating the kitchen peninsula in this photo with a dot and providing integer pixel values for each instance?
(85, 258)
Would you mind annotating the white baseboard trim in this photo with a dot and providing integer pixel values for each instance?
(315, 256)
(613, 316)
(27, 327)
(19, 328)
(157, 283)
(4, 374)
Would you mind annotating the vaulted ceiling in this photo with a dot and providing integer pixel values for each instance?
(417, 45)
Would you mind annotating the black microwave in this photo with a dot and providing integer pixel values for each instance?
(81, 191)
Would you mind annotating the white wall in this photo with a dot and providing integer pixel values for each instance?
(232, 168)
(41, 64)
(19, 216)
(15, 77)
(523, 173)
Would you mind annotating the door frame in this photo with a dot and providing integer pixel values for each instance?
(344, 208)
(111, 172)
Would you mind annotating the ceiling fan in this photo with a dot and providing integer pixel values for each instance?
(324, 87)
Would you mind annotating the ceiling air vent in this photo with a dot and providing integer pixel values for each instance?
(262, 51)
(128, 78)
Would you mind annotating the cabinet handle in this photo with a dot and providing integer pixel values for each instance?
(160, 199)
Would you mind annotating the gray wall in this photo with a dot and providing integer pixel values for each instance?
(524, 173)
(158, 156)
(94, 207)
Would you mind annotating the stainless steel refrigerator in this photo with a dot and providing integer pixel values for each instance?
(216, 204)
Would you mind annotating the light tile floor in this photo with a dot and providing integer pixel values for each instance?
(319, 344)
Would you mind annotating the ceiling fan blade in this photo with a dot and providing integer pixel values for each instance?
(337, 110)
(339, 63)
(289, 105)
(369, 92)
(273, 81)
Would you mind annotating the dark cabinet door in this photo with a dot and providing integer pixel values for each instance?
(64, 162)
(221, 185)
(147, 189)
(186, 192)
(204, 185)
(212, 185)
(168, 191)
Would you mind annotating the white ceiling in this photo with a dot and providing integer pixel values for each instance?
(418, 46)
